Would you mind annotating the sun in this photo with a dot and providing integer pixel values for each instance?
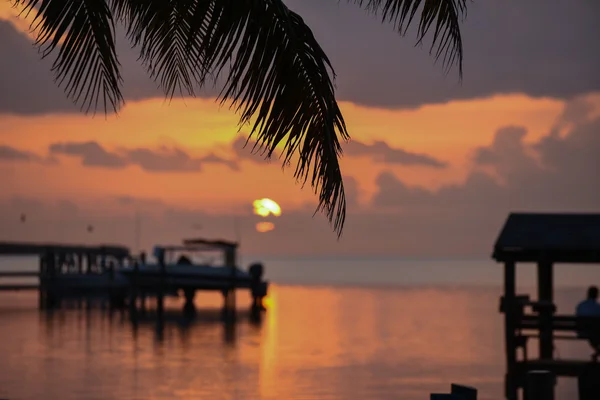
(265, 207)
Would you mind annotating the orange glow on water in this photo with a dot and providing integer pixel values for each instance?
(263, 227)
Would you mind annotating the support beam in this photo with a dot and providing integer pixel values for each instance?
(540, 385)
(510, 383)
(230, 302)
(545, 278)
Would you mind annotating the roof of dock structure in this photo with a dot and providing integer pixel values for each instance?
(209, 244)
(564, 237)
(28, 248)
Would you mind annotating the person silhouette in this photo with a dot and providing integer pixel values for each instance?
(585, 328)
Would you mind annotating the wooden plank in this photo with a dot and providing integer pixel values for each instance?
(559, 322)
(561, 367)
(11, 287)
(18, 274)
(23, 248)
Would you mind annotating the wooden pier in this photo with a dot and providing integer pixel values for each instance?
(113, 274)
(545, 239)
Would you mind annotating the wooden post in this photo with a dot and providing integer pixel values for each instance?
(540, 385)
(42, 279)
(79, 263)
(133, 288)
(510, 381)
(230, 260)
(588, 384)
(545, 296)
(257, 289)
(188, 307)
(161, 285)
(90, 263)
(51, 268)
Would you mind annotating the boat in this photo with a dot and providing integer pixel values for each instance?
(178, 267)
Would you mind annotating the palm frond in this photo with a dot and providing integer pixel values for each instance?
(162, 32)
(86, 63)
(446, 15)
(277, 75)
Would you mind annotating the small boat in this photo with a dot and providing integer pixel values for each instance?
(180, 269)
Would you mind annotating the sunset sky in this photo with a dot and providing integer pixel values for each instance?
(433, 167)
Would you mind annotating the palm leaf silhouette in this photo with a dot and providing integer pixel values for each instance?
(276, 76)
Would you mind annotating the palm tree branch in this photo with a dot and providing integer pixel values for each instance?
(443, 15)
(281, 77)
(160, 29)
(86, 65)
(277, 77)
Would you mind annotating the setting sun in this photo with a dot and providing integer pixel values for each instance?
(265, 207)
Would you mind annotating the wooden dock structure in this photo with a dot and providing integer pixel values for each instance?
(114, 274)
(67, 271)
(547, 240)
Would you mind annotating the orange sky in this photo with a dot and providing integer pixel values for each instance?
(448, 132)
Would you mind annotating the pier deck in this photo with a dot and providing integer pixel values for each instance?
(67, 271)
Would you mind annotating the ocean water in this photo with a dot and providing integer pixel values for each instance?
(335, 329)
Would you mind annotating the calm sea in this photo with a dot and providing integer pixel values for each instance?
(335, 329)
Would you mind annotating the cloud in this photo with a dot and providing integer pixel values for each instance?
(11, 154)
(26, 82)
(163, 159)
(90, 153)
(555, 174)
(508, 48)
(382, 152)
(552, 174)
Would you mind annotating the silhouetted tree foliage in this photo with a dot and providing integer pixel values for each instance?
(275, 73)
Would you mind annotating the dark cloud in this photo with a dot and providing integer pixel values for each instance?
(26, 82)
(553, 174)
(382, 152)
(556, 174)
(163, 159)
(509, 47)
(90, 153)
(11, 154)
